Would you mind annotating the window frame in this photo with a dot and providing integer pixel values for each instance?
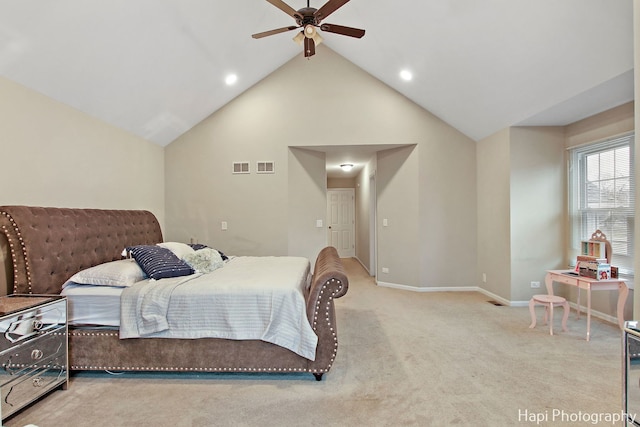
(578, 211)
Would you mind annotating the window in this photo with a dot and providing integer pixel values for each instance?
(601, 188)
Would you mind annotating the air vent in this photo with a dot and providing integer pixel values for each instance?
(265, 167)
(241, 167)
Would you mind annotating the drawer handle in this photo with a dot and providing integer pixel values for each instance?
(36, 354)
(37, 382)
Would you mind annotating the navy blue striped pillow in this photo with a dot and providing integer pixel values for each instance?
(158, 262)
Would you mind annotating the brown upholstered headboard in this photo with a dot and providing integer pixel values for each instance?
(49, 245)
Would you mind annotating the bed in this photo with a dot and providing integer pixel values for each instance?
(42, 248)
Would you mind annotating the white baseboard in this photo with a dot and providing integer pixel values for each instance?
(573, 305)
(430, 289)
(363, 266)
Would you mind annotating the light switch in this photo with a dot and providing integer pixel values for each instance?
(223, 225)
(319, 223)
(385, 222)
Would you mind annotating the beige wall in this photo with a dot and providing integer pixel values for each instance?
(57, 156)
(494, 211)
(341, 182)
(365, 215)
(520, 210)
(350, 107)
(607, 124)
(537, 183)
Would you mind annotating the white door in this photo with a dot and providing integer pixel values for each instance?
(341, 221)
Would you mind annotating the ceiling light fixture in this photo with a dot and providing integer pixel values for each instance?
(231, 79)
(406, 75)
(346, 167)
(309, 32)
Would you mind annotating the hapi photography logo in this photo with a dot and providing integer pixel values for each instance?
(582, 417)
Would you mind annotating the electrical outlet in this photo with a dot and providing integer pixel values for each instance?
(535, 285)
(223, 225)
(484, 277)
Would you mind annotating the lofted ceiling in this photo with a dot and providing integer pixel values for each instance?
(156, 68)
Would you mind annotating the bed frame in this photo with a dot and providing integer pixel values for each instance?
(45, 246)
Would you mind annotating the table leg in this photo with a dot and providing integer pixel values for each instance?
(588, 313)
(565, 315)
(578, 305)
(623, 293)
(548, 281)
(532, 310)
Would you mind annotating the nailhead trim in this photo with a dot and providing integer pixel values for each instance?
(327, 320)
(13, 253)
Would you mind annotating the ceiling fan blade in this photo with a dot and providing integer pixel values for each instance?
(272, 32)
(309, 47)
(345, 31)
(286, 8)
(328, 8)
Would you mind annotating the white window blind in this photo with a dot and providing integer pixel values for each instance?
(601, 189)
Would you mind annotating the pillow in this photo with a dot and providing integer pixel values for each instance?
(198, 246)
(180, 249)
(158, 262)
(204, 260)
(121, 273)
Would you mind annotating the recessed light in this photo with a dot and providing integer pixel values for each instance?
(231, 79)
(406, 75)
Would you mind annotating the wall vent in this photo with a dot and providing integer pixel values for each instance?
(241, 167)
(265, 167)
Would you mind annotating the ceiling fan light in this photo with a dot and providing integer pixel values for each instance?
(299, 38)
(346, 166)
(317, 39)
(310, 31)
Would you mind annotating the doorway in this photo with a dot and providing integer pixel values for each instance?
(341, 221)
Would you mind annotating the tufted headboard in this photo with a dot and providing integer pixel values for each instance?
(46, 246)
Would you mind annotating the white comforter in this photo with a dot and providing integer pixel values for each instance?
(250, 298)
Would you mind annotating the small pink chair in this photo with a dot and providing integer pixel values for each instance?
(549, 301)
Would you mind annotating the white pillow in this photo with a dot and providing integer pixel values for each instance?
(121, 273)
(179, 249)
(204, 260)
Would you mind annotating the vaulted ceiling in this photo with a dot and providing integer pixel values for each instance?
(157, 67)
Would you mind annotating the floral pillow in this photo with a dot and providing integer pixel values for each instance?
(205, 260)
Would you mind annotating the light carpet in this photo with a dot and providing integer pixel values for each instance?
(404, 358)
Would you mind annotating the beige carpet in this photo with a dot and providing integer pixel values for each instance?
(404, 358)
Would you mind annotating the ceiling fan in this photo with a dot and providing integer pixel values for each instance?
(309, 19)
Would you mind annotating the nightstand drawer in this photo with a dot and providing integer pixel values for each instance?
(45, 350)
(29, 386)
(28, 324)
